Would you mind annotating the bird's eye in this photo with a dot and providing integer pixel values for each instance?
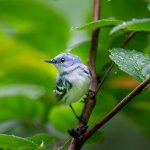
(62, 60)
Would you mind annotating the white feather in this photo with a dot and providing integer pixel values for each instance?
(80, 84)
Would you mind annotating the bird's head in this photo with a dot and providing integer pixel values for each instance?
(64, 62)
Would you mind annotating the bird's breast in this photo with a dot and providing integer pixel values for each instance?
(80, 85)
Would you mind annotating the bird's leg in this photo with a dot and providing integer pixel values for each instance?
(76, 133)
(83, 99)
(78, 117)
(79, 131)
(74, 111)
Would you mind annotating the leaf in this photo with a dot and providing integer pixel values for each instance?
(132, 9)
(20, 107)
(15, 142)
(28, 90)
(32, 143)
(134, 63)
(42, 139)
(99, 24)
(133, 25)
(96, 138)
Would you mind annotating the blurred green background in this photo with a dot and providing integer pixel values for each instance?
(34, 30)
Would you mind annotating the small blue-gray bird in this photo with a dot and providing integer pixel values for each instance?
(73, 79)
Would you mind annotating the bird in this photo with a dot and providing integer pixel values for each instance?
(73, 79)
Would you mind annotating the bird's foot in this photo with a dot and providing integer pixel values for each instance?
(83, 100)
(78, 132)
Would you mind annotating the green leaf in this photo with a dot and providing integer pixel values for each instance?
(96, 138)
(134, 63)
(42, 139)
(125, 9)
(20, 107)
(99, 24)
(133, 25)
(15, 142)
(28, 90)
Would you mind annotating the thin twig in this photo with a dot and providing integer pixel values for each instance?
(105, 76)
(127, 39)
(140, 88)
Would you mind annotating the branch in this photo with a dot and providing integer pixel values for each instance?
(94, 45)
(90, 100)
(140, 88)
(114, 111)
(105, 76)
(77, 143)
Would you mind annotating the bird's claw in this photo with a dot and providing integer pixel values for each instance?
(76, 133)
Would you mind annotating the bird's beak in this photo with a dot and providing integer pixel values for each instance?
(52, 61)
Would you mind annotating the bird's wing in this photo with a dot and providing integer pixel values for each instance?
(62, 87)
